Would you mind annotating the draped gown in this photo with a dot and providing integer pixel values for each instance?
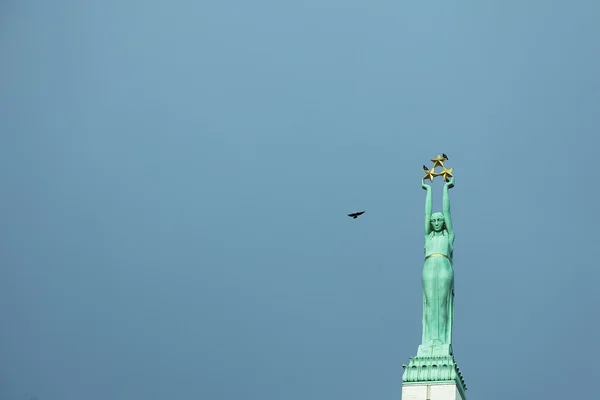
(438, 289)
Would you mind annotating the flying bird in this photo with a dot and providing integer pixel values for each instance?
(356, 214)
(425, 168)
(445, 156)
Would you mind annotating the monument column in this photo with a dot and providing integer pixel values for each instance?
(433, 373)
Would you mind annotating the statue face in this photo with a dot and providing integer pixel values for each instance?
(437, 221)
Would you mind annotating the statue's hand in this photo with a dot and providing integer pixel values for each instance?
(450, 183)
(424, 185)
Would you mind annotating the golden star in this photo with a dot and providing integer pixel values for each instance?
(438, 161)
(446, 173)
(430, 174)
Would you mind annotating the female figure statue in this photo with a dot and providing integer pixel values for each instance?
(438, 272)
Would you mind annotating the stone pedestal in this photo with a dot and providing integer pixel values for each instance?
(433, 375)
(431, 391)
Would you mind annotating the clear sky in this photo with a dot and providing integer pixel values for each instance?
(175, 178)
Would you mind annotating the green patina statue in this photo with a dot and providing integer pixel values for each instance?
(438, 272)
(435, 361)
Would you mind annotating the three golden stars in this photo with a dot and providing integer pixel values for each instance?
(438, 162)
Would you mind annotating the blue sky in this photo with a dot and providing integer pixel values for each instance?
(176, 175)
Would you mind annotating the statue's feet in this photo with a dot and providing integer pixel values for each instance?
(434, 348)
(433, 343)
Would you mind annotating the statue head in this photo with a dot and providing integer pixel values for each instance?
(438, 223)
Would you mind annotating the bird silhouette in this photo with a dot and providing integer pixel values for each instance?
(356, 214)
(425, 168)
(445, 156)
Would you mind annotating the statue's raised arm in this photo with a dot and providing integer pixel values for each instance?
(446, 209)
(427, 207)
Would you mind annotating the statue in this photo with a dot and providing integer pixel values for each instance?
(435, 361)
(438, 272)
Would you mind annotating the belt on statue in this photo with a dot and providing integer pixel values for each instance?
(436, 255)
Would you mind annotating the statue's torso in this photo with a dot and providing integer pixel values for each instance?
(438, 244)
